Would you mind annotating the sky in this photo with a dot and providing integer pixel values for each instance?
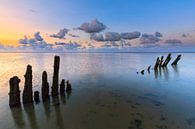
(97, 24)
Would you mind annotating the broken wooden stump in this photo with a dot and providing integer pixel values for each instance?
(27, 92)
(156, 64)
(176, 60)
(142, 72)
(161, 61)
(36, 97)
(167, 60)
(62, 87)
(14, 94)
(149, 67)
(68, 86)
(45, 87)
(54, 87)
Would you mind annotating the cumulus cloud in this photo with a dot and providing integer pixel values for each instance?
(36, 43)
(149, 39)
(97, 37)
(92, 27)
(24, 40)
(130, 35)
(61, 34)
(38, 36)
(173, 42)
(108, 36)
(158, 34)
(112, 36)
(70, 45)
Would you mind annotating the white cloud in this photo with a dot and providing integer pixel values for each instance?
(61, 34)
(149, 39)
(112, 36)
(38, 36)
(92, 27)
(69, 46)
(130, 35)
(35, 43)
(158, 34)
(96, 37)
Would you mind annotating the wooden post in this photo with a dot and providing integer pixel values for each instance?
(14, 94)
(156, 64)
(149, 67)
(167, 60)
(68, 86)
(55, 83)
(45, 87)
(36, 96)
(27, 92)
(161, 61)
(176, 60)
(62, 87)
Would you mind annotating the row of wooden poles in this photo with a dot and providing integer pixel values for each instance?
(161, 63)
(27, 95)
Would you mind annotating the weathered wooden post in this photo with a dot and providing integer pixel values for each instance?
(36, 96)
(161, 61)
(142, 72)
(167, 60)
(14, 94)
(156, 64)
(176, 60)
(27, 92)
(68, 86)
(149, 67)
(54, 87)
(45, 87)
(62, 87)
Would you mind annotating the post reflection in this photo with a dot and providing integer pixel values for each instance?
(59, 118)
(46, 106)
(175, 68)
(63, 99)
(68, 94)
(162, 71)
(18, 117)
(31, 115)
(166, 73)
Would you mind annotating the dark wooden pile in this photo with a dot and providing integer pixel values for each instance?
(161, 63)
(27, 96)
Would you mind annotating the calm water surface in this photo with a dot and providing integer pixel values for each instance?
(107, 92)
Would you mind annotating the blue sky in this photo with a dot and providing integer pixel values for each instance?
(172, 18)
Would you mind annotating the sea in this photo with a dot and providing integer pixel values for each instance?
(108, 92)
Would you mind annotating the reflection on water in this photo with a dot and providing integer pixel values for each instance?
(17, 115)
(31, 116)
(107, 92)
(47, 109)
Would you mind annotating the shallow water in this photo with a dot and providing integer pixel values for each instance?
(107, 92)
